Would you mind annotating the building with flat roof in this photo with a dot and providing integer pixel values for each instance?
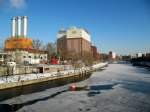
(73, 41)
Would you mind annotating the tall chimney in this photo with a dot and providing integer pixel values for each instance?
(19, 26)
(25, 21)
(13, 32)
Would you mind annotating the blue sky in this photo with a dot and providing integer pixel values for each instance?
(122, 26)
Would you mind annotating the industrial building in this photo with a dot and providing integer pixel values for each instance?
(19, 46)
(95, 53)
(73, 41)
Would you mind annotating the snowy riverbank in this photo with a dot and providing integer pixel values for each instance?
(17, 80)
(100, 65)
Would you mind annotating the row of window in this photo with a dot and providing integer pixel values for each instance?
(3, 56)
(35, 57)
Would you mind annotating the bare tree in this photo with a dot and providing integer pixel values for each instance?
(50, 47)
(1, 45)
(87, 58)
(37, 44)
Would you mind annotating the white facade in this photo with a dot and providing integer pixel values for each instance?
(75, 33)
(29, 57)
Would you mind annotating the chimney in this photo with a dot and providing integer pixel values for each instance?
(13, 32)
(25, 21)
(19, 26)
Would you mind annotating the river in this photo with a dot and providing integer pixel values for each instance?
(116, 88)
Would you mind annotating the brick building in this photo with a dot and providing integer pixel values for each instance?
(73, 41)
(95, 53)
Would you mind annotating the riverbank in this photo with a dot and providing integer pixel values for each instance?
(144, 64)
(28, 79)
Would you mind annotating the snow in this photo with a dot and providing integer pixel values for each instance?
(126, 93)
(25, 77)
(99, 65)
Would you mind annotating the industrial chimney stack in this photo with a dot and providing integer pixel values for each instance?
(19, 26)
(25, 26)
(17, 23)
(13, 27)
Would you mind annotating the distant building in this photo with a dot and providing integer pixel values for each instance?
(112, 56)
(95, 53)
(148, 55)
(104, 57)
(73, 41)
(126, 58)
(138, 55)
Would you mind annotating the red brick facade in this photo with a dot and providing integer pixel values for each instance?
(73, 45)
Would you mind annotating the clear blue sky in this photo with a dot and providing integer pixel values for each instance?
(122, 26)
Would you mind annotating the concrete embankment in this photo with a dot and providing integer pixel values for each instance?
(60, 75)
(33, 81)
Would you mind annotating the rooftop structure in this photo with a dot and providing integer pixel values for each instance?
(74, 32)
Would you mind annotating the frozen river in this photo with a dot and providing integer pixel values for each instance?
(117, 88)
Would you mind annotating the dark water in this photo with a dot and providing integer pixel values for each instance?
(13, 92)
(15, 107)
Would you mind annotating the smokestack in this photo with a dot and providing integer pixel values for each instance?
(19, 26)
(13, 32)
(25, 21)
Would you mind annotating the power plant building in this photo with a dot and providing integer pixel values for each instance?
(20, 46)
(73, 41)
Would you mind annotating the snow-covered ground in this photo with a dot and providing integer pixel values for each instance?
(99, 65)
(118, 88)
(25, 77)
